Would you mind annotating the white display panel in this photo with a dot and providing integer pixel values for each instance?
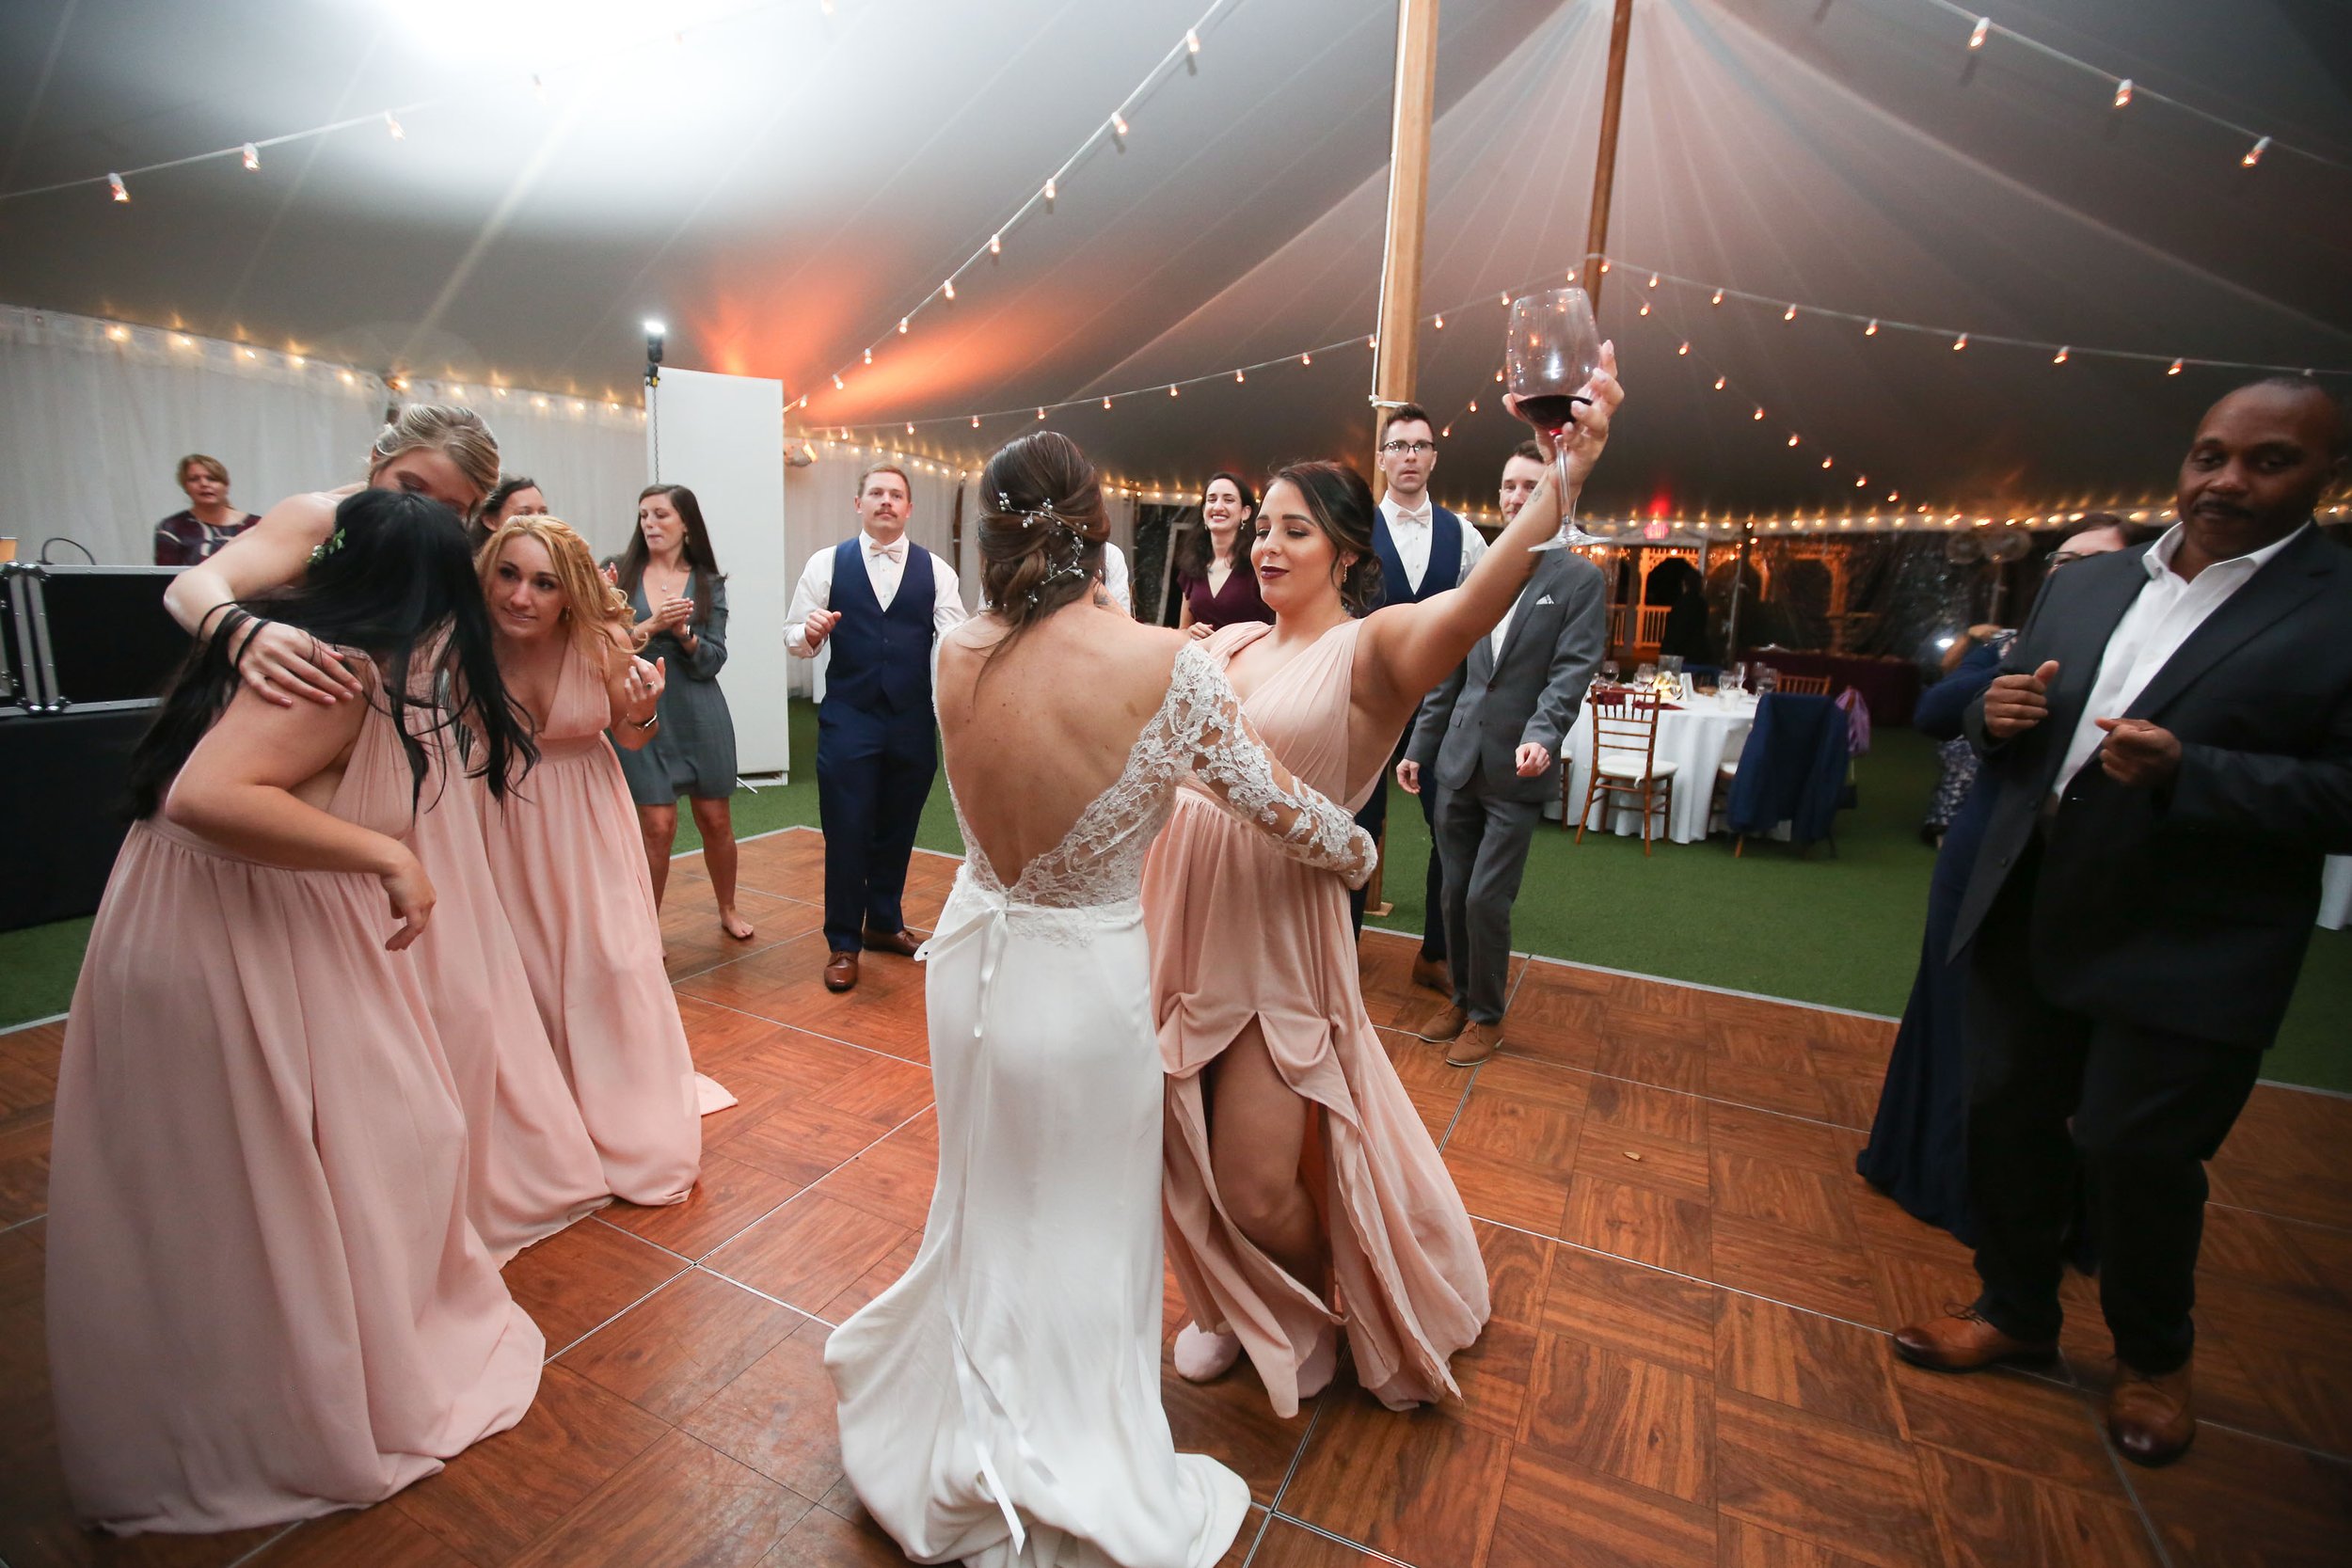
(721, 437)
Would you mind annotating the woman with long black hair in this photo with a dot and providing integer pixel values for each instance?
(265, 1298)
(679, 600)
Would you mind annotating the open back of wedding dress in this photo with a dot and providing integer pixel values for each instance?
(1000, 1405)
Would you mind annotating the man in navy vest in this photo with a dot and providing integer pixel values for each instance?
(1423, 549)
(880, 601)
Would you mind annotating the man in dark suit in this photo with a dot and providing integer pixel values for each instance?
(2172, 746)
(1487, 744)
(1425, 549)
(881, 602)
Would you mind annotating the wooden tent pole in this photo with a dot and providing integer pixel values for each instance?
(1605, 163)
(1397, 332)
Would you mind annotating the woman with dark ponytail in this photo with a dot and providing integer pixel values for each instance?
(1010, 1383)
(265, 1298)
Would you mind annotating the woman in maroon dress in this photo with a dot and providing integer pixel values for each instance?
(1212, 571)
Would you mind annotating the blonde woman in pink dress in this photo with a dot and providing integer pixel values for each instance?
(533, 1169)
(265, 1300)
(1303, 1193)
(1000, 1405)
(569, 863)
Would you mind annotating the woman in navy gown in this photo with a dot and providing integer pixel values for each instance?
(1917, 1152)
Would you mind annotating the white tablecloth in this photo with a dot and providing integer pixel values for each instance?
(2335, 893)
(1697, 737)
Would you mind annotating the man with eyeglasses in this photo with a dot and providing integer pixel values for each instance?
(1425, 549)
(2169, 749)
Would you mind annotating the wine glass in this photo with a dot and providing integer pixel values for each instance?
(1552, 351)
(1609, 671)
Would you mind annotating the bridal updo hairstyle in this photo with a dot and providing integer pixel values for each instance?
(1042, 529)
(1340, 502)
(456, 433)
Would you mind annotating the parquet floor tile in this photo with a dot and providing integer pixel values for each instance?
(693, 941)
(1686, 1362)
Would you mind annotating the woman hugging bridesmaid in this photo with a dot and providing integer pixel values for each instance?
(569, 864)
(265, 1298)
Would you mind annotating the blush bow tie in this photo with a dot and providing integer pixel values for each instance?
(1424, 517)
(894, 552)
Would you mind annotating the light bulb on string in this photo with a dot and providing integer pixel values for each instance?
(1604, 267)
(996, 244)
(1473, 406)
(114, 183)
(1192, 42)
(869, 356)
(1372, 341)
(1306, 358)
(1718, 299)
(392, 125)
(1238, 377)
(949, 288)
(2254, 153)
(1792, 437)
(976, 422)
(1719, 384)
(2059, 357)
(1106, 402)
(1051, 192)
(910, 427)
(1790, 315)
(1685, 348)
(837, 382)
(1497, 375)
(252, 156)
(902, 327)
(2123, 92)
(1824, 462)
(1505, 298)
(1759, 413)
(1975, 38)
(1861, 480)
(1446, 432)
(1040, 413)
(1871, 330)
(1441, 320)
(1171, 390)
(2175, 370)
(1118, 126)
(1959, 342)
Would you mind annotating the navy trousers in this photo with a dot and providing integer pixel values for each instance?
(874, 772)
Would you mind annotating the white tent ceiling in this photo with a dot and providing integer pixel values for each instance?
(783, 185)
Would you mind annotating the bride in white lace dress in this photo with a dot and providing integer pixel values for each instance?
(1000, 1405)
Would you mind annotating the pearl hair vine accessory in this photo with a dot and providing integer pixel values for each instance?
(1072, 565)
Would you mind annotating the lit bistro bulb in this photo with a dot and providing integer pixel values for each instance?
(2175, 369)
(1976, 37)
(2123, 92)
(1119, 125)
(1719, 384)
(1718, 299)
(1171, 390)
(1790, 315)
(1685, 348)
(1050, 191)
(949, 288)
(2059, 357)
(1871, 330)
(2254, 153)
(1238, 377)
(996, 244)
(114, 183)
(251, 154)
(902, 327)
(394, 127)
(1959, 342)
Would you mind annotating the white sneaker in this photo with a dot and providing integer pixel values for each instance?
(1202, 1356)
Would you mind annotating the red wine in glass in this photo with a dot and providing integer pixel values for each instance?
(1551, 354)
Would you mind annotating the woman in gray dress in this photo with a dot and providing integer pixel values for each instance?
(680, 601)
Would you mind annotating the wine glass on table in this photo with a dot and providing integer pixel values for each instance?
(1553, 350)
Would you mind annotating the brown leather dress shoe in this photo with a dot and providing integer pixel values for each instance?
(1474, 1044)
(901, 942)
(1449, 1026)
(840, 971)
(1962, 1341)
(1432, 975)
(2149, 1418)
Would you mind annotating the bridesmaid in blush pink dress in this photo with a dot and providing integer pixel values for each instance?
(1303, 1193)
(569, 863)
(266, 1301)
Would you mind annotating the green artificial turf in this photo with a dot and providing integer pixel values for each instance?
(1838, 928)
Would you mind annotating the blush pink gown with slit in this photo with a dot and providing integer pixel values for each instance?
(1240, 933)
(570, 867)
(265, 1300)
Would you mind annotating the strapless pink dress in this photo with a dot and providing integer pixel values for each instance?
(1239, 932)
(570, 867)
(265, 1300)
(533, 1167)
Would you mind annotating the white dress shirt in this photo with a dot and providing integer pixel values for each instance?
(1115, 581)
(2169, 608)
(1502, 628)
(1411, 532)
(885, 568)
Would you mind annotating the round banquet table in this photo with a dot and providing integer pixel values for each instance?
(1697, 734)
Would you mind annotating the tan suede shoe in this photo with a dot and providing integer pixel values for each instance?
(1447, 1026)
(1432, 975)
(1963, 1341)
(1474, 1044)
(2149, 1418)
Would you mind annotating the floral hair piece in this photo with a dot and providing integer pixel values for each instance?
(320, 553)
(1031, 517)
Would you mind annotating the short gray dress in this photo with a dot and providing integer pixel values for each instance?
(693, 749)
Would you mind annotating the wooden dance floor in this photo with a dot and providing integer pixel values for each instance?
(1688, 1363)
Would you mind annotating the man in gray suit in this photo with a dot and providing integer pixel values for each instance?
(1488, 741)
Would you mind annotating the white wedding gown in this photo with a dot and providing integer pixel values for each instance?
(1000, 1405)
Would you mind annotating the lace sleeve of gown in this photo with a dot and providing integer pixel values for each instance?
(1234, 764)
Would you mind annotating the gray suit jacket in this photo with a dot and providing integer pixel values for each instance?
(1488, 707)
(2186, 908)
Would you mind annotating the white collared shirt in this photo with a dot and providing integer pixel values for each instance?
(1411, 532)
(1502, 628)
(1115, 578)
(884, 573)
(2169, 608)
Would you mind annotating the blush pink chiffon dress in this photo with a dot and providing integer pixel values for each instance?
(569, 867)
(265, 1300)
(1238, 932)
